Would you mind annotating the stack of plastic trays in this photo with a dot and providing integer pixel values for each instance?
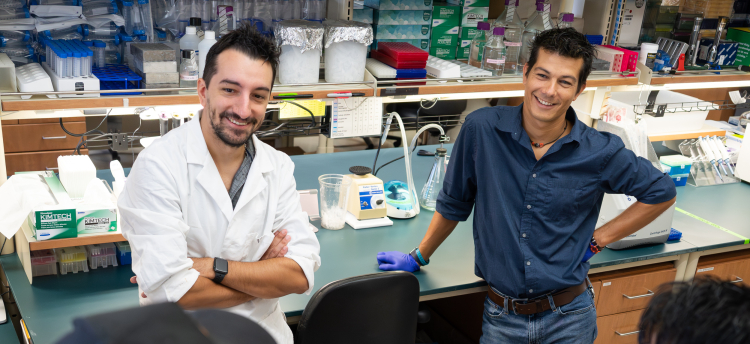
(123, 253)
(72, 259)
(629, 58)
(612, 56)
(411, 74)
(380, 70)
(101, 255)
(43, 262)
(442, 69)
(468, 71)
(400, 55)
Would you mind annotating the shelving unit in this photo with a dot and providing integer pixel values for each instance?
(705, 130)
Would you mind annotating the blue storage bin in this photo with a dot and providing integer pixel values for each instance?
(123, 253)
(681, 179)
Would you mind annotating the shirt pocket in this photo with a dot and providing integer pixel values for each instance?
(562, 199)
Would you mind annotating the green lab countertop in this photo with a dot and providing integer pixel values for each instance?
(50, 304)
(7, 331)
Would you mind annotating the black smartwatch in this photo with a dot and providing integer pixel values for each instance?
(221, 268)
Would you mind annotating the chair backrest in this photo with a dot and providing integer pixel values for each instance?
(377, 308)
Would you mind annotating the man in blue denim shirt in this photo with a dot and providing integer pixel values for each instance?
(536, 176)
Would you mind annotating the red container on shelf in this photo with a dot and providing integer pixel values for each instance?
(402, 51)
(629, 59)
(396, 63)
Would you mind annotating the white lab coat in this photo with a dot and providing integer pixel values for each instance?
(175, 206)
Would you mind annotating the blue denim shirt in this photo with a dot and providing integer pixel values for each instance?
(534, 219)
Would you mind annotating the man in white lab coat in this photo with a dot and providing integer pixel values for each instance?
(212, 214)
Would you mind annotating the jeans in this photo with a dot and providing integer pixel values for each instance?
(571, 323)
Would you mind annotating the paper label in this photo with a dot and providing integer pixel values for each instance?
(187, 77)
(495, 61)
(705, 269)
(606, 284)
(365, 195)
(512, 44)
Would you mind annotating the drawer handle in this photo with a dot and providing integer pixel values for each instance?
(626, 334)
(51, 168)
(737, 280)
(53, 137)
(650, 293)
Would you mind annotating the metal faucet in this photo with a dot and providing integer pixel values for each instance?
(715, 47)
(693, 47)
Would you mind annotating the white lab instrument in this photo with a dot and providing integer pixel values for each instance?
(723, 152)
(334, 193)
(613, 205)
(717, 153)
(742, 169)
(175, 206)
(710, 154)
(398, 200)
(366, 207)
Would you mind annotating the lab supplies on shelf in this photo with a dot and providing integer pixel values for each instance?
(345, 44)
(72, 259)
(43, 262)
(123, 253)
(301, 44)
(101, 255)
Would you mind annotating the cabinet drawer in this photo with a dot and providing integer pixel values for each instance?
(597, 285)
(734, 267)
(40, 137)
(35, 161)
(618, 328)
(632, 289)
(52, 120)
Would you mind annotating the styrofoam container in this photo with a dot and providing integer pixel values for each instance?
(345, 62)
(623, 104)
(296, 67)
(439, 68)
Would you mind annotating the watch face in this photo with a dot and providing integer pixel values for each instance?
(221, 265)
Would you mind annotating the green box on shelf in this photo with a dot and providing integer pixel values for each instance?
(399, 4)
(444, 14)
(402, 31)
(444, 41)
(364, 15)
(470, 3)
(742, 36)
(467, 32)
(470, 16)
(462, 53)
(445, 53)
(398, 17)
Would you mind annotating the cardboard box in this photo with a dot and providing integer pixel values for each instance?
(467, 32)
(399, 4)
(444, 14)
(445, 53)
(402, 31)
(92, 219)
(423, 44)
(363, 15)
(397, 17)
(741, 35)
(444, 41)
(444, 36)
(727, 52)
(470, 3)
(462, 53)
(470, 16)
(55, 221)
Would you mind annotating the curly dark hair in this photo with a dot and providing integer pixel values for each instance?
(247, 40)
(566, 42)
(707, 311)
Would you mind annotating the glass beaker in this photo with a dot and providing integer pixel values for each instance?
(334, 192)
(431, 189)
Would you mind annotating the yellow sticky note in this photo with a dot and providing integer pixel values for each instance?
(289, 111)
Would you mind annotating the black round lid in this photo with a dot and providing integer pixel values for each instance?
(360, 170)
(441, 151)
(187, 53)
(195, 21)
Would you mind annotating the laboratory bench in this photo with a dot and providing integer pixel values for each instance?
(49, 305)
(7, 331)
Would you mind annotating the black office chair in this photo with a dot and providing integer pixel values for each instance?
(377, 308)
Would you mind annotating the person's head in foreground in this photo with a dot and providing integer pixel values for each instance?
(707, 311)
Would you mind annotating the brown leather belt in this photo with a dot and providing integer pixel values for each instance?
(561, 298)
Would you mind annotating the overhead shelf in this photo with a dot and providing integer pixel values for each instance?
(86, 239)
(725, 76)
(707, 129)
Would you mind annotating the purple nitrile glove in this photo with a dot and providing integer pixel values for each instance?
(395, 260)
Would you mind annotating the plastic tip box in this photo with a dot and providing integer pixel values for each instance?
(401, 55)
(677, 164)
(101, 255)
(72, 259)
(43, 262)
(123, 253)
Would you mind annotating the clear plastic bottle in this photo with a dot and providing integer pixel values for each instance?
(209, 39)
(431, 189)
(188, 69)
(565, 20)
(513, 25)
(540, 22)
(533, 15)
(477, 44)
(494, 57)
(190, 40)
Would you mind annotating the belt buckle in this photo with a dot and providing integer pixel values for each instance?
(514, 301)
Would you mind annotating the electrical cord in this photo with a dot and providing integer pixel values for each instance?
(312, 117)
(95, 130)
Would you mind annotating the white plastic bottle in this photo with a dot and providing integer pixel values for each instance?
(209, 39)
(493, 58)
(190, 40)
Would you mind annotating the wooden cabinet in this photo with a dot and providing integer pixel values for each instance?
(619, 328)
(732, 266)
(597, 285)
(35, 144)
(631, 289)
